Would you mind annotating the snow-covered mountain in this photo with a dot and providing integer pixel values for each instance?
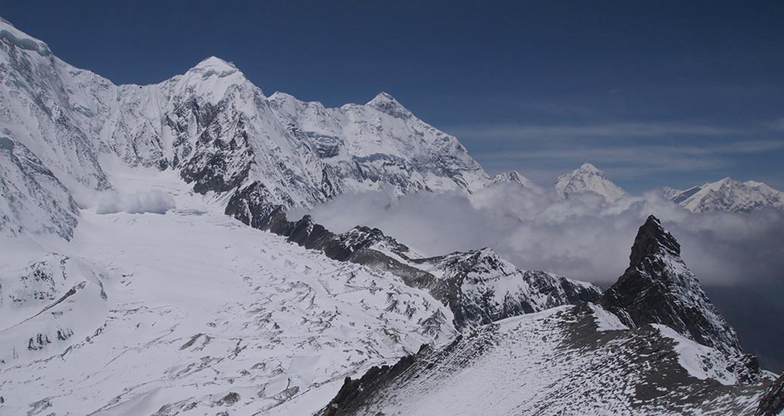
(587, 178)
(218, 130)
(130, 283)
(727, 195)
(514, 177)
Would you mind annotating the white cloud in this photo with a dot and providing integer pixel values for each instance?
(581, 237)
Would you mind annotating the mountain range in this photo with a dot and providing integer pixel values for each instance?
(150, 267)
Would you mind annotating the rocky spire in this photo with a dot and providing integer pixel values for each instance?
(653, 239)
(657, 288)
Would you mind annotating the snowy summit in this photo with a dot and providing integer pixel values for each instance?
(588, 179)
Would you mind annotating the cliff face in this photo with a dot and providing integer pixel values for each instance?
(657, 288)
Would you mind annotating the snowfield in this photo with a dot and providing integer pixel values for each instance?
(199, 311)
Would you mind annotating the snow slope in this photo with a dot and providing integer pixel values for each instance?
(193, 310)
(727, 195)
(559, 361)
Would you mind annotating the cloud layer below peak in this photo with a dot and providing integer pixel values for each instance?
(582, 237)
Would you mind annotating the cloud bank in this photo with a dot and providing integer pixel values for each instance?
(582, 237)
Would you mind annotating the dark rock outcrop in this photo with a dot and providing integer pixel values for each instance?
(657, 288)
(772, 403)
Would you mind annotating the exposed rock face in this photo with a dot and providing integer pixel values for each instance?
(480, 287)
(772, 403)
(657, 288)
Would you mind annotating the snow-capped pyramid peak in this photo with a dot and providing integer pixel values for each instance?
(588, 178)
(383, 97)
(214, 66)
(657, 288)
(590, 168)
(386, 103)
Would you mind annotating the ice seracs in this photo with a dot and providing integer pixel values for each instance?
(588, 178)
(727, 195)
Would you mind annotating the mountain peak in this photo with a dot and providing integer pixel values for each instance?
(214, 66)
(653, 239)
(588, 178)
(386, 103)
(587, 167)
(658, 288)
(728, 195)
(514, 177)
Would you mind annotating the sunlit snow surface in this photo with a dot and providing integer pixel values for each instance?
(196, 306)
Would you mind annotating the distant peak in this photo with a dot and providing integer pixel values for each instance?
(653, 239)
(214, 66)
(587, 167)
(588, 178)
(514, 177)
(383, 97)
(511, 176)
(386, 103)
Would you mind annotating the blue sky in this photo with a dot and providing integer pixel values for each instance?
(655, 93)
